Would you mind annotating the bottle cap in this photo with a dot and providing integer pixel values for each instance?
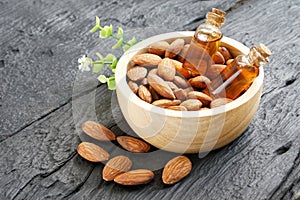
(215, 18)
(264, 50)
(219, 12)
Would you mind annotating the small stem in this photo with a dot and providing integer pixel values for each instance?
(118, 39)
(100, 62)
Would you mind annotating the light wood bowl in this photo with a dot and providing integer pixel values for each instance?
(188, 131)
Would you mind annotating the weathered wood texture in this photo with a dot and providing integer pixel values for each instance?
(40, 43)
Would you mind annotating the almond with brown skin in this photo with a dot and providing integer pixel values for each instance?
(146, 59)
(144, 82)
(154, 94)
(153, 71)
(183, 53)
(176, 169)
(135, 177)
(180, 70)
(133, 144)
(214, 71)
(133, 86)
(160, 86)
(178, 108)
(181, 82)
(205, 99)
(225, 52)
(175, 48)
(159, 48)
(192, 104)
(166, 69)
(97, 131)
(199, 82)
(144, 94)
(220, 102)
(218, 58)
(92, 152)
(164, 103)
(137, 73)
(172, 85)
(115, 167)
(180, 94)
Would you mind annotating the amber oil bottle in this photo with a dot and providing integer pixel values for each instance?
(205, 43)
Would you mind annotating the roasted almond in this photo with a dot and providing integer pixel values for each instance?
(144, 94)
(172, 85)
(133, 86)
(214, 71)
(159, 48)
(92, 152)
(137, 73)
(180, 70)
(144, 81)
(153, 71)
(176, 169)
(133, 144)
(154, 94)
(98, 131)
(219, 102)
(175, 48)
(178, 108)
(146, 59)
(180, 94)
(192, 104)
(181, 82)
(205, 99)
(199, 82)
(225, 52)
(115, 167)
(135, 177)
(183, 53)
(218, 58)
(166, 69)
(160, 86)
(166, 103)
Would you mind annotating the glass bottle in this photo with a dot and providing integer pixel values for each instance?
(205, 43)
(239, 74)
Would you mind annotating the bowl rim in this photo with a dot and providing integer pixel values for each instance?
(122, 86)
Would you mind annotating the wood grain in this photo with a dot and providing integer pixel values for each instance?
(40, 43)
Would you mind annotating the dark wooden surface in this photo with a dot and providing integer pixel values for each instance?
(43, 100)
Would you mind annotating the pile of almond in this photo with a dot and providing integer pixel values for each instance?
(158, 77)
(118, 168)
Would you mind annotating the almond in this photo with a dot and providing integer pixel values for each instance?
(144, 94)
(133, 86)
(214, 71)
(137, 73)
(225, 52)
(172, 85)
(219, 102)
(180, 94)
(92, 152)
(160, 86)
(154, 94)
(146, 59)
(180, 70)
(144, 82)
(179, 108)
(183, 53)
(115, 167)
(229, 61)
(98, 131)
(153, 71)
(166, 69)
(166, 103)
(135, 177)
(159, 48)
(181, 82)
(205, 99)
(197, 67)
(176, 169)
(133, 144)
(199, 82)
(218, 58)
(175, 48)
(192, 104)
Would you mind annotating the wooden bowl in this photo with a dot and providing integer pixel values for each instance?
(187, 131)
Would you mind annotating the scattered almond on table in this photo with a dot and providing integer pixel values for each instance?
(118, 168)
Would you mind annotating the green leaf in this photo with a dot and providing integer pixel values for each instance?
(94, 29)
(102, 78)
(110, 30)
(126, 47)
(132, 41)
(97, 21)
(110, 58)
(118, 44)
(103, 34)
(113, 70)
(98, 67)
(114, 64)
(100, 56)
(111, 83)
(120, 33)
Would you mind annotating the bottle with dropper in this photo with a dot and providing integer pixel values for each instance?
(205, 43)
(239, 75)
